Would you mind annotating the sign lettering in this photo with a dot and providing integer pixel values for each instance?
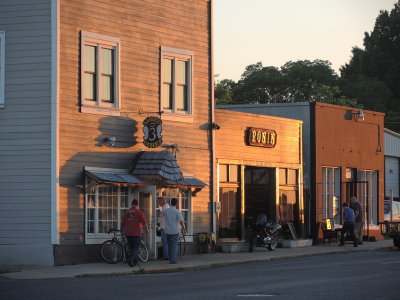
(262, 137)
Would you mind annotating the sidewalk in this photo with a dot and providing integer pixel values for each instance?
(188, 262)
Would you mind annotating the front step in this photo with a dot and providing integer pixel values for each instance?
(300, 243)
(232, 247)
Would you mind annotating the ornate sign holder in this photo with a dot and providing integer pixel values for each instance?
(152, 128)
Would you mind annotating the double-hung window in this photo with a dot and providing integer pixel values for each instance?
(331, 193)
(2, 67)
(99, 71)
(176, 81)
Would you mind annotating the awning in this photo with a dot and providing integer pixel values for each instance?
(161, 164)
(187, 182)
(118, 178)
(162, 167)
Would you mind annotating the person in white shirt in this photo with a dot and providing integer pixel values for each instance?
(173, 217)
(161, 220)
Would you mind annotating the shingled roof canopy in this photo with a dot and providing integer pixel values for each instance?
(162, 166)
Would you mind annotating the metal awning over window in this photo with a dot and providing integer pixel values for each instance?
(187, 182)
(115, 178)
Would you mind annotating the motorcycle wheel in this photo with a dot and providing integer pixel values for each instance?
(252, 243)
(274, 242)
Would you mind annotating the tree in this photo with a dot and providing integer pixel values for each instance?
(298, 81)
(223, 91)
(378, 64)
(305, 79)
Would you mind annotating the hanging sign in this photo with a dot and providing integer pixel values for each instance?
(262, 137)
(152, 128)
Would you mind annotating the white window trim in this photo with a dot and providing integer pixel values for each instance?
(101, 108)
(173, 114)
(99, 238)
(2, 68)
(189, 224)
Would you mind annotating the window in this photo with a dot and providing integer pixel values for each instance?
(99, 72)
(368, 195)
(229, 173)
(331, 193)
(184, 203)
(176, 81)
(105, 207)
(2, 67)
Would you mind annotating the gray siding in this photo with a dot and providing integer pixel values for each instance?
(298, 111)
(25, 134)
(392, 163)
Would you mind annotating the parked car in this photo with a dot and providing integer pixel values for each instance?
(395, 209)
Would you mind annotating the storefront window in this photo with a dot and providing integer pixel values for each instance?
(368, 194)
(105, 207)
(331, 193)
(184, 203)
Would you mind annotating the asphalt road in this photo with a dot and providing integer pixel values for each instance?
(356, 275)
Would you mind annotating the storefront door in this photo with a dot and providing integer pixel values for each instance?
(229, 217)
(147, 203)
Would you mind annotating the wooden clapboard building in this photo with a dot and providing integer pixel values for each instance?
(259, 167)
(104, 101)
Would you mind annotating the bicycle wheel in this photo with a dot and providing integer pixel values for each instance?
(111, 251)
(143, 252)
(274, 242)
(182, 245)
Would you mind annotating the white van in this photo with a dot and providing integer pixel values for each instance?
(395, 209)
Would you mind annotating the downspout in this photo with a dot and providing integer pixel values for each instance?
(212, 120)
(54, 203)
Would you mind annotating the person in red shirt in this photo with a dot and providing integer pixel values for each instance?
(132, 224)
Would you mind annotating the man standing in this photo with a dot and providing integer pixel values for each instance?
(173, 217)
(348, 225)
(131, 224)
(358, 219)
(164, 205)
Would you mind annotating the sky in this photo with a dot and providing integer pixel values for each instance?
(277, 31)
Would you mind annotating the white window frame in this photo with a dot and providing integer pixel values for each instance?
(100, 42)
(371, 176)
(177, 55)
(189, 222)
(100, 237)
(2, 68)
(331, 191)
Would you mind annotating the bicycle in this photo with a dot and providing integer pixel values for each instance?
(182, 244)
(116, 249)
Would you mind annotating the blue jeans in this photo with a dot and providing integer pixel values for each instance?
(173, 240)
(134, 244)
(164, 243)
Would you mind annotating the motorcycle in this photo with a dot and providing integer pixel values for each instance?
(265, 234)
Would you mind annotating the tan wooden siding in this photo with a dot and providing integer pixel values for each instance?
(142, 26)
(231, 141)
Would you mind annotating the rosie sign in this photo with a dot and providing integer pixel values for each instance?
(262, 137)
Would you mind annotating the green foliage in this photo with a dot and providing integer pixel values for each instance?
(298, 81)
(373, 73)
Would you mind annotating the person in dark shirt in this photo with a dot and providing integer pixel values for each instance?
(132, 223)
(348, 225)
(358, 221)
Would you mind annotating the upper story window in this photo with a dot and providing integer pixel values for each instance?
(2, 67)
(99, 72)
(176, 81)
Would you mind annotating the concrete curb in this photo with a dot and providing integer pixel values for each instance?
(189, 263)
